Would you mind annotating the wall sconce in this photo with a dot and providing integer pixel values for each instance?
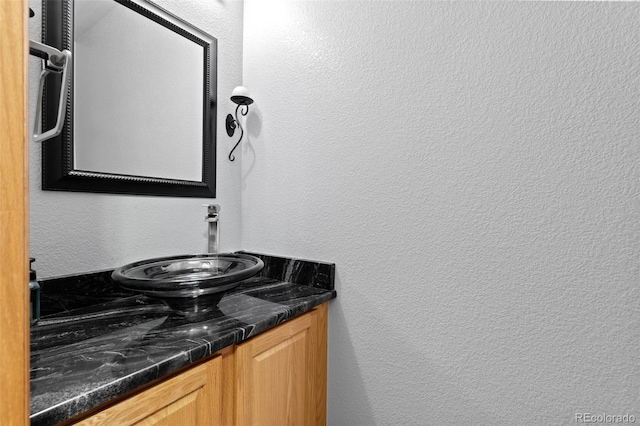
(240, 96)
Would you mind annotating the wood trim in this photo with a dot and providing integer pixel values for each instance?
(14, 211)
(273, 337)
(320, 381)
(228, 385)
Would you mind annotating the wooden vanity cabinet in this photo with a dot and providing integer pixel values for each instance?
(277, 378)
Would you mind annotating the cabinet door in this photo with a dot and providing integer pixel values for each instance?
(281, 374)
(190, 398)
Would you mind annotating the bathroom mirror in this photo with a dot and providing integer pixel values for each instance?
(140, 114)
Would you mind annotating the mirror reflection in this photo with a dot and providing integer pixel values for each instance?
(141, 115)
(124, 95)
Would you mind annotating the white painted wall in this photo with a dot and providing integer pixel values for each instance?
(79, 232)
(472, 169)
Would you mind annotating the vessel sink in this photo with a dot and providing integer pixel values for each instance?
(188, 284)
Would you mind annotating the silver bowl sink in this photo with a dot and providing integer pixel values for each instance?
(188, 284)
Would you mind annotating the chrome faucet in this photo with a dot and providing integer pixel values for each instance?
(214, 229)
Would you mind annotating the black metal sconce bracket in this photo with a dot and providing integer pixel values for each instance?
(232, 123)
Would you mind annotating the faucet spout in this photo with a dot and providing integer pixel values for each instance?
(213, 245)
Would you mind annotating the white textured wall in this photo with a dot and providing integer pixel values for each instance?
(472, 169)
(79, 232)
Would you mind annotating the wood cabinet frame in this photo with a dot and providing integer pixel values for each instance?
(14, 215)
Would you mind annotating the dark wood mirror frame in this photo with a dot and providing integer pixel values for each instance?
(58, 172)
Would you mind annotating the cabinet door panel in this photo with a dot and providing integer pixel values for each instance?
(280, 383)
(184, 411)
(277, 372)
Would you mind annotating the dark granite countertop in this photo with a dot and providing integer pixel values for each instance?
(96, 341)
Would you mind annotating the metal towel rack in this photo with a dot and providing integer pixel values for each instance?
(57, 62)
